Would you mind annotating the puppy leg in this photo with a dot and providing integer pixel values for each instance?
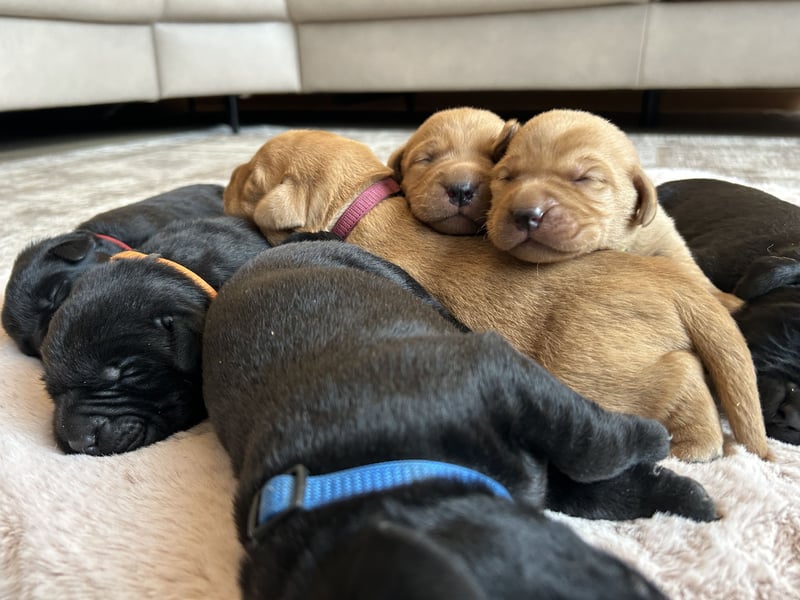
(671, 244)
(686, 408)
(731, 302)
(578, 437)
(641, 491)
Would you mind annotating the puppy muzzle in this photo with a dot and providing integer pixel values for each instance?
(102, 429)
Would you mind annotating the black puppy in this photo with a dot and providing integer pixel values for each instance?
(45, 271)
(748, 243)
(122, 355)
(382, 452)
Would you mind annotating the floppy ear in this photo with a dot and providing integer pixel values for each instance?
(390, 562)
(281, 209)
(767, 273)
(185, 333)
(394, 163)
(647, 199)
(75, 248)
(501, 145)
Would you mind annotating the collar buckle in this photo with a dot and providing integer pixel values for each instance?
(256, 531)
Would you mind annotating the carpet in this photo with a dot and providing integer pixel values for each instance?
(156, 523)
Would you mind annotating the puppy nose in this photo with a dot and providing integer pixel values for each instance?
(78, 434)
(85, 443)
(460, 194)
(528, 218)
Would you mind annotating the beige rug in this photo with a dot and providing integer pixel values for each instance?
(156, 523)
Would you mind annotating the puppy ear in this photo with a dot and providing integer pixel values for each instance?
(766, 274)
(75, 248)
(394, 163)
(284, 208)
(647, 199)
(501, 145)
(391, 562)
(185, 334)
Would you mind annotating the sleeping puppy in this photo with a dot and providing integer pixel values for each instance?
(122, 354)
(444, 168)
(45, 271)
(570, 183)
(748, 243)
(416, 457)
(633, 333)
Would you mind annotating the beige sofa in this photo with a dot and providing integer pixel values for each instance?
(82, 52)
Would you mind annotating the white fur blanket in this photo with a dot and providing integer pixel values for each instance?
(156, 523)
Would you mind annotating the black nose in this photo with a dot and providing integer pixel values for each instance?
(528, 218)
(85, 443)
(460, 194)
(80, 434)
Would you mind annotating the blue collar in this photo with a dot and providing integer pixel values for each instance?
(296, 489)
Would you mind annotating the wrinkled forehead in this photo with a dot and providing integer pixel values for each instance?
(301, 152)
(572, 142)
(472, 134)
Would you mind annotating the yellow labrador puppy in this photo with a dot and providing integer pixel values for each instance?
(635, 334)
(445, 167)
(570, 183)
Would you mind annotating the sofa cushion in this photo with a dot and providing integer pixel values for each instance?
(206, 59)
(128, 11)
(307, 11)
(595, 48)
(722, 44)
(225, 10)
(62, 63)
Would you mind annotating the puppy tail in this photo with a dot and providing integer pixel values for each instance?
(725, 355)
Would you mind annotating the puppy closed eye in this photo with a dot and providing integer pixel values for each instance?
(423, 159)
(505, 176)
(111, 373)
(117, 372)
(588, 177)
(167, 322)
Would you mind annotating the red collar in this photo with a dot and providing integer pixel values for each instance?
(366, 201)
(115, 241)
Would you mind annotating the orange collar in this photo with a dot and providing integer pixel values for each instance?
(196, 279)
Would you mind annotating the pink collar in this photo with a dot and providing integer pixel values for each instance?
(115, 241)
(366, 201)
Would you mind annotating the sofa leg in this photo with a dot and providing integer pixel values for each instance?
(233, 113)
(650, 103)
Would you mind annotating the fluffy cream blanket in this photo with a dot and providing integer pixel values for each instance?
(156, 523)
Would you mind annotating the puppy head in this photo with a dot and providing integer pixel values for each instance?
(42, 277)
(569, 183)
(464, 547)
(445, 166)
(380, 560)
(122, 358)
(301, 180)
(771, 325)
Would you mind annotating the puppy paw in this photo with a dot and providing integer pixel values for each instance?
(624, 441)
(692, 451)
(678, 495)
(639, 492)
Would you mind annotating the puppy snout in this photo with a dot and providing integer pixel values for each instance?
(85, 443)
(461, 194)
(80, 434)
(527, 219)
